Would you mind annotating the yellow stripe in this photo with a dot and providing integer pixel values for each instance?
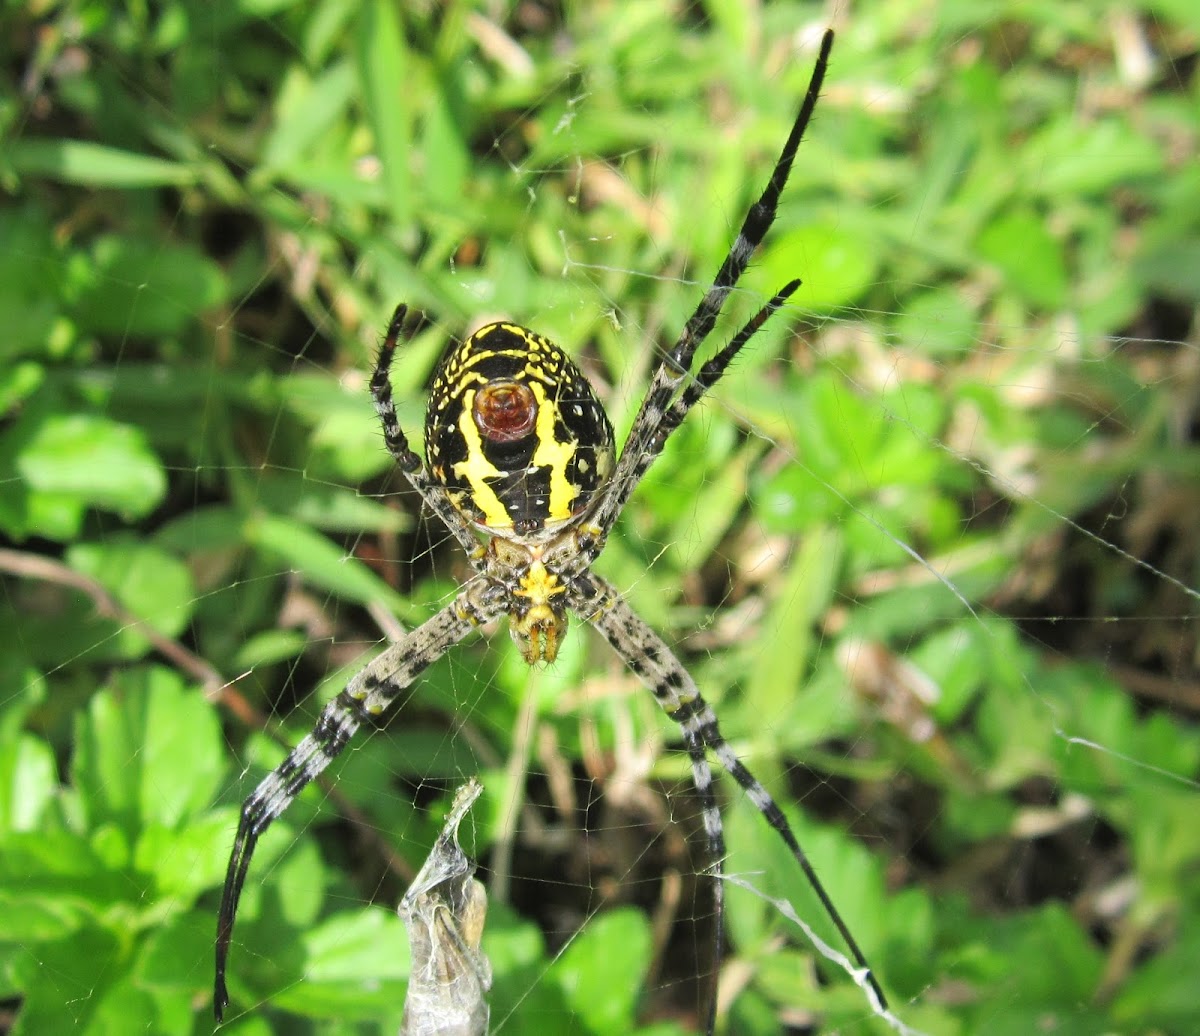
(477, 467)
(555, 455)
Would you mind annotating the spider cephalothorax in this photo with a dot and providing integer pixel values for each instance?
(520, 452)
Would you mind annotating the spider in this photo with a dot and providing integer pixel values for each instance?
(520, 451)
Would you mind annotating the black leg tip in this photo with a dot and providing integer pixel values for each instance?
(397, 319)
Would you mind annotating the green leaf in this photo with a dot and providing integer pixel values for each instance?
(448, 153)
(59, 984)
(122, 1002)
(188, 858)
(204, 529)
(835, 263)
(309, 110)
(168, 956)
(152, 584)
(778, 669)
(94, 165)
(1073, 157)
(1162, 992)
(31, 289)
(294, 495)
(28, 781)
(345, 444)
(955, 659)
(386, 72)
(139, 287)
(1047, 955)
(147, 752)
(603, 969)
(1028, 256)
(355, 967)
(939, 323)
(19, 382)
(270, 647)
(98, 461)
(42, 916)
(322, 563)
(57, 854)
(1172, 267)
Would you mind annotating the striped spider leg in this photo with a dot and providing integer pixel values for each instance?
(648, 656)
(370, 695)
(672, 394)
(672, 374)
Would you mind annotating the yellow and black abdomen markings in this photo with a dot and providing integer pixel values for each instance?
(515, 432)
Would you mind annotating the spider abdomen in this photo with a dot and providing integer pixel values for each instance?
(515, 433)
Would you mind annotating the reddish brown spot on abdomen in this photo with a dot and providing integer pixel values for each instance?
(504, 411)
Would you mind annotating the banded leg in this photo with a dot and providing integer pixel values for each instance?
(645, 652)
(617, 493)
(673, 368)
(710, 373)
(370, 694)
(640, 648)
(431, 491)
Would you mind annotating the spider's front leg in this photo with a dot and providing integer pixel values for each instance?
(431, 490)
(370, 695)
(673, 392)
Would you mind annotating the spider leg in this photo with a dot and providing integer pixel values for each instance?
(617, 494)
(647, 435)
(755, 226)
(645, 652)
(708, 374)
(432, 492)
(370, 694)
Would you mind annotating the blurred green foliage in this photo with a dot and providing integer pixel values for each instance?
(930, 550)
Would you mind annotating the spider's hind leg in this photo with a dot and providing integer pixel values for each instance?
(371, 694)
(645, 652)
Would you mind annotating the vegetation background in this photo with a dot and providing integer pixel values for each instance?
(931, 549)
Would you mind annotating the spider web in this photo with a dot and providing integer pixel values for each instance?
(929, 549)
